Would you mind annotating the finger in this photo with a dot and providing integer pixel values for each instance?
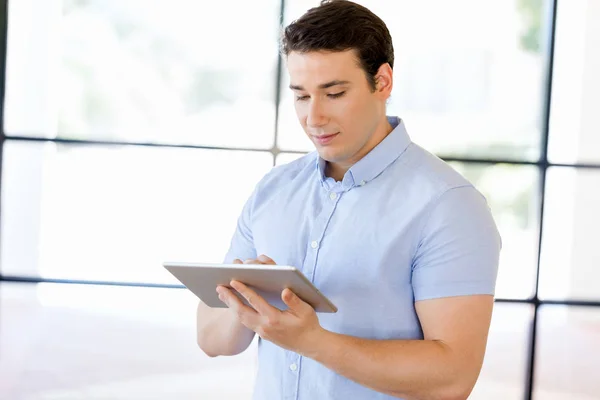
(294, 303)
(227, 297)
(265, 259)
(238, 261)
(245, 314)
(251, 261)
(223, 290)
(255, 300)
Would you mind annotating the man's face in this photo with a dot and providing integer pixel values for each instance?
(335, 104)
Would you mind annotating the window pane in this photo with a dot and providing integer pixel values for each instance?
(574, 123)
(116, 213)
(467, 83)
(143, 70)
(503, 374)
(512, 195)
(567, 361)
(63, 341)
(570, 258)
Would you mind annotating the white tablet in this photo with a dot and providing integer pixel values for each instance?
(268, 281)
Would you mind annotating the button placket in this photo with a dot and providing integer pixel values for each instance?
(316, 235)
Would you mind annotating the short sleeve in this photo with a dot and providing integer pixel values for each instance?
(459, 248)
(242, 243)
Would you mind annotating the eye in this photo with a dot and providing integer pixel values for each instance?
(301, 98)
(336, 95)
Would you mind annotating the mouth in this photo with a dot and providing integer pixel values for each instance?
(325, 139)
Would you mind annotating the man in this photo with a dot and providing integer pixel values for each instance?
(400, 242)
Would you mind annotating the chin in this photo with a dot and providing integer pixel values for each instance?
(330, 155)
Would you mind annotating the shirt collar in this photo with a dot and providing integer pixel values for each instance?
(375, 162)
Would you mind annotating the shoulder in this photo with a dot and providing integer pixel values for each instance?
(433, 175)
(445, 196)
(454, 204)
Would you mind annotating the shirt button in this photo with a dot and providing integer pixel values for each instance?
(333, 195)
(293, 367)
(363, 183)
(314, 244)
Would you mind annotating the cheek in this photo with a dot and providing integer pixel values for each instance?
(300, 112)
(356, 118)
(349, 113)
(354, 106)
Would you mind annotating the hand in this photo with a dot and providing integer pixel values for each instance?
(296, 329)
(262, 259)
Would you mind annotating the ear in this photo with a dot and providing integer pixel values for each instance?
(385, 81)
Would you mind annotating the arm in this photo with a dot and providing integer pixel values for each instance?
(219, 330)
(445, 365)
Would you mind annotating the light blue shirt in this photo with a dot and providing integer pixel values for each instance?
(402, 226)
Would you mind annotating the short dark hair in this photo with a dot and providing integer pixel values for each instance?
(339, 25)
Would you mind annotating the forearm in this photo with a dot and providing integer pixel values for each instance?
(220, 333)
(411, 369)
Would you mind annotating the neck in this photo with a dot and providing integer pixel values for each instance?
(335, 171)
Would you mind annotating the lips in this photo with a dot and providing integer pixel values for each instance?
(324, 139)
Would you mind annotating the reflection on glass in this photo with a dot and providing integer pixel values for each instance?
(117, 213)
(570, 258)
(511, 192)
(142, 70)
(567, 361)
(469, 75)
(503, 374)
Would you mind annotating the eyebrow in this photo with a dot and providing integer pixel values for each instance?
(323, 85)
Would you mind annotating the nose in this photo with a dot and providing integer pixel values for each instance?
(316, 116)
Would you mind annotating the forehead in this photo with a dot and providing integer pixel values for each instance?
(316, 67)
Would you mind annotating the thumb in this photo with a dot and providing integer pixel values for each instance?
(294, 302)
